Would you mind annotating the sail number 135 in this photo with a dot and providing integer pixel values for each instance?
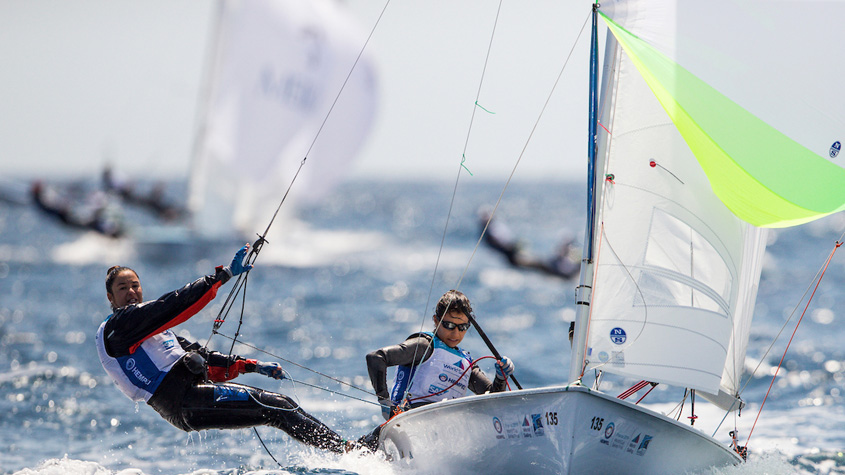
(597, 423)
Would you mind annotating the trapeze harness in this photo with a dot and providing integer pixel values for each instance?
(184, 382)
(444, 367)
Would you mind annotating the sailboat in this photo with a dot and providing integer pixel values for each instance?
(286, 81)
(701, 138)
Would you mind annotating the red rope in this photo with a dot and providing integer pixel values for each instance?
(824, 269)
(632, 389)
(471, 364)
(653, 385)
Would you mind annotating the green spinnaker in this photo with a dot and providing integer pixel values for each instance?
(764, 177)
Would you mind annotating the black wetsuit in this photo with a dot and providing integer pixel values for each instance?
(194, 395)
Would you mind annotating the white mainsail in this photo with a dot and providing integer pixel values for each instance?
(668, 270)
(277, 69)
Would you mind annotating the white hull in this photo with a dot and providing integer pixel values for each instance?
(569, 429)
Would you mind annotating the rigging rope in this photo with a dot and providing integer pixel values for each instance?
(512, 173)
(454, 193)
(457, 380)
(256, 248)
(339, 381)
(804, 312)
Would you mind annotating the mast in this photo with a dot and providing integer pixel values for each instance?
(205, 88)
(583, 293)
(601, 107)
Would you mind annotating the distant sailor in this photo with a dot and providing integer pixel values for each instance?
(95, 215)
(154, 200)
(431, 365)
(185, 383)
(499, 237)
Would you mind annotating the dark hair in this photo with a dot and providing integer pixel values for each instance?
(453, 301)
(112, 273)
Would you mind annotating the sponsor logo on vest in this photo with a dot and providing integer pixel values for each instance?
(434, 389)
(459, 364)
(445, 378)
(130, 366)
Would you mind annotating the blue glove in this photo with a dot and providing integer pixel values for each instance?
(271, 370)
(237, 266)
(504, 368)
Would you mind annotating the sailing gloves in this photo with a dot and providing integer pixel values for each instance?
(271, 370)
(237, 266)
(504, 368)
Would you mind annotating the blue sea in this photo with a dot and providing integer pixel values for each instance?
(352, 274)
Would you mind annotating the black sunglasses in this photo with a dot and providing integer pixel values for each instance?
(451, 326)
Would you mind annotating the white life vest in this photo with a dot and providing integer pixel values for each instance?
(138, 375)
(445, 366)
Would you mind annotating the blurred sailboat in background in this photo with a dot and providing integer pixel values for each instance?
(273, 97)
(285, 80)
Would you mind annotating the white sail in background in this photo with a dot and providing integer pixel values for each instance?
(278, 67)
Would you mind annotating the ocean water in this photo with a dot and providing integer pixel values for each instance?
(351, 275)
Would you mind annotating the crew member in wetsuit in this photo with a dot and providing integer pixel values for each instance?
(184, 382)
(424, 357)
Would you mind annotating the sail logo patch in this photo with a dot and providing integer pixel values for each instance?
(459, 364)
(618, 336)
(835, 148)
